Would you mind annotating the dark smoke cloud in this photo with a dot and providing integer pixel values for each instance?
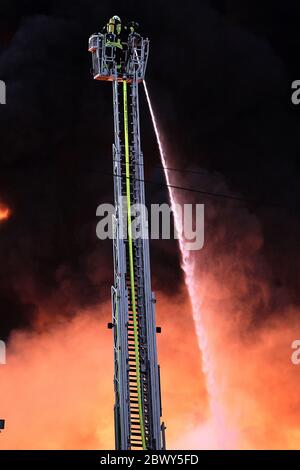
(220, 83)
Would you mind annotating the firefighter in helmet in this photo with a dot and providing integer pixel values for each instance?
(114, 25)
(113, 31)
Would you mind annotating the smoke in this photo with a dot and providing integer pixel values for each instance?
(57, 125)
(250, 324)
(224, 84)
(64, 368)
(243, 355)
(57, 387)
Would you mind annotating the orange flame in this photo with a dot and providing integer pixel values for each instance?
(5, 212)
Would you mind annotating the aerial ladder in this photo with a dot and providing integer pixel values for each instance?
(137, 409)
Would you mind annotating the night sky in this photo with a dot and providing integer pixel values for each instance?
(220, 75)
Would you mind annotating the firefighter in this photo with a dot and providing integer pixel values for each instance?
(134, 37)
(113, 31)
(133, 27)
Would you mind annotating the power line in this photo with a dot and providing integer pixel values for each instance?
(185, 170)
(180, 170)
(182, 188)
(192, 190)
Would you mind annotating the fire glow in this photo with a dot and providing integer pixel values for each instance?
(5, 213)
(249, 367)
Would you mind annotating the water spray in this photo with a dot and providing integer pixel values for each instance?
(187, 264)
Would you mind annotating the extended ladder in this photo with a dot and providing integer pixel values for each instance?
(136, 371)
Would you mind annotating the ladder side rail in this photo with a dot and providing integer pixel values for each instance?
(120, 273)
